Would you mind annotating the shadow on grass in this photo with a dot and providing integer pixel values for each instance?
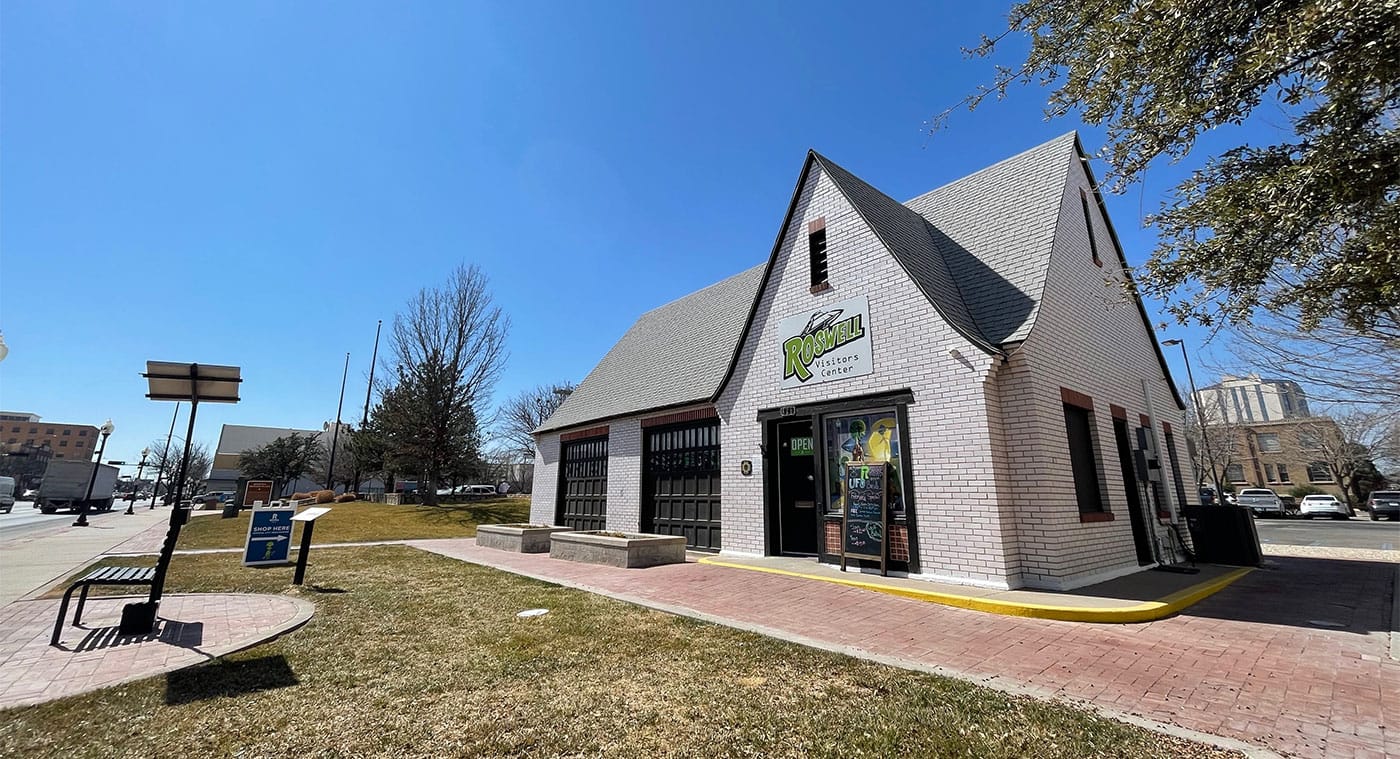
(475, 513)
(228, 678)
(323, 589)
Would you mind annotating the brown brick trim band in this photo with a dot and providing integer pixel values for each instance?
(1167, 428)
(816, 226)
(694, 415)
(1145, 420)
(1118, 412)
(1075, 398)
(1096, 516)
(581, 434)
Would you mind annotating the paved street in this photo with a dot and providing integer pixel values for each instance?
(1358, 532)
(25, 520)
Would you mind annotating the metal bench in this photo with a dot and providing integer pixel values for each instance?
(103, 576)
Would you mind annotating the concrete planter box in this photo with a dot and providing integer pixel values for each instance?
(518, 538)
(628, 550)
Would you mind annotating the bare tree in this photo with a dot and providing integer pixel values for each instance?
(1337, 364)
(447, 350)
(1349, 441)
(1214, 448)
(522, 414)
(166, 462)
(284, 460)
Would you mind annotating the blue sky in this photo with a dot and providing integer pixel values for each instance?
(257, 183)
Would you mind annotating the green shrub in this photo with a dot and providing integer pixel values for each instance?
(1298, 491)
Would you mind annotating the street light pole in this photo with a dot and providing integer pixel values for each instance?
(1200, 419)
(106, 431)
(335, 436)
(164, 456)
(141, 467)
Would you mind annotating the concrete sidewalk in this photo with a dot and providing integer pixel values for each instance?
(1292, 658)
(32, 563)
(1139, 597)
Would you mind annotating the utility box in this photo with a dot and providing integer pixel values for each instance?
(1223, 535)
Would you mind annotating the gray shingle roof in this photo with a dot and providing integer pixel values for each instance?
(913, 243)
(673, 355)
(996, 227)
(978, 248)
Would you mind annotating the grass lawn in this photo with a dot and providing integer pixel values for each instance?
(361, 521)
(416, 655)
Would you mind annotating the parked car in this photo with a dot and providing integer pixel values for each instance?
(1290, 505)
(7, 494)
(1261, 502)
(1384, 503)
(1324, 506)
(30, 494)
(1207, 496)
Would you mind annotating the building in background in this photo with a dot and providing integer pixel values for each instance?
(1283, 455)
(66, 441)
(1250, 399)
(236, 439)
(25, 463)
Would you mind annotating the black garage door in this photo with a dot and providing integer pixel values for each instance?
(583, 485)
(682, 483)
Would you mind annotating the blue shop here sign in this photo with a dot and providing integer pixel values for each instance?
(269, 536)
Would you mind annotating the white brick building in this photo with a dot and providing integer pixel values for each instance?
(976, 342)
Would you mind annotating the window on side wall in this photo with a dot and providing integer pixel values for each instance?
(1318, 471)
(1269, 443)
(816, 254)
(1089, 228)
(1083, 459)
(1283, 473)
(1235, 473)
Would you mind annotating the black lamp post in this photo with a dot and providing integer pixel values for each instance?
(106, 430)
(131, 502)
(1200, 420)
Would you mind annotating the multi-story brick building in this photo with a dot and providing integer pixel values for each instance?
(1282, 455)
(66, 441)
(976, 344)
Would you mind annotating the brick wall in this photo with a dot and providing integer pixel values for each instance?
(958, 518)
(625, 475)
(1088, 337)
(545, 489)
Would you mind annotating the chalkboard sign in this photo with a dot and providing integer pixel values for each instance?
(863, 535)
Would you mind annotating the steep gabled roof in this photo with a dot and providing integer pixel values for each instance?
(997, 228)
(674, 355)
(913, 243)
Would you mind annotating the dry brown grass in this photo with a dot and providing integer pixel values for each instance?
(363, 521)
(416, 655)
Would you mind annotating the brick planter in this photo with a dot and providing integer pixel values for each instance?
(631, 550)
(518, 538)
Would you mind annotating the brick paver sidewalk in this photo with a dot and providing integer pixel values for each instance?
(191, 629)
(1293, 658)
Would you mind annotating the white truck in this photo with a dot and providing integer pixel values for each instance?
(1262, 502)
(65, 486)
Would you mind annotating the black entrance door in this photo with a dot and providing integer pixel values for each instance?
(797, 488)
(682, 483)
(1141, 541)
(583, 485)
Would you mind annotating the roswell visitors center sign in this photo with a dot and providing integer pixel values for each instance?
(825, 344)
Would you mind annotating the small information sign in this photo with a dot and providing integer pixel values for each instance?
(866, 515)
(258, 491)
(269, 535)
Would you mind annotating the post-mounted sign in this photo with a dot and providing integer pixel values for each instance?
(258, 491)
(269, 535)
(826, 344)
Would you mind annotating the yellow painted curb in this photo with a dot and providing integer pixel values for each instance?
(1143, 611)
